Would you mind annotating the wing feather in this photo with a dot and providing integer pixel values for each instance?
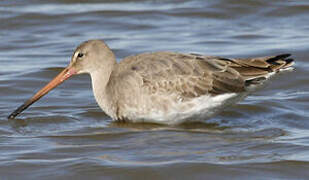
(186, 75)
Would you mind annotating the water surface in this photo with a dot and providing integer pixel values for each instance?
(66, 134)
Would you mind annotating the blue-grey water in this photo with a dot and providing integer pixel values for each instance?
(66, 135)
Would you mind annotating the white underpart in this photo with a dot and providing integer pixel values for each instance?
(198, 109)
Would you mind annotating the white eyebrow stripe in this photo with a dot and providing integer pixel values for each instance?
(76, 54)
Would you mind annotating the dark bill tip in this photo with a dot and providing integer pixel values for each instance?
(19, 110)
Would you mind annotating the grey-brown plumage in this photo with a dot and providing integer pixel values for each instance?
(161, 79)
(168, 87)
(192, 75)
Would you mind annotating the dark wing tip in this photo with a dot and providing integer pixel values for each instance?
(289, 60)
(278, 57)
(282, 56)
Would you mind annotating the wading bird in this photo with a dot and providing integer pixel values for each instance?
(165, 87)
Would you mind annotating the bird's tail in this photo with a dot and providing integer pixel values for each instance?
(257, 70)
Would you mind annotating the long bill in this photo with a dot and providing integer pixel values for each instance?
(62, 76)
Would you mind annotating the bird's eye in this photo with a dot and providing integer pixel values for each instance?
(80, 55)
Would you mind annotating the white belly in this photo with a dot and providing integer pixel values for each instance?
(196, 110)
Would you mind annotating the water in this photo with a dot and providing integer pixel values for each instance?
(65, 134)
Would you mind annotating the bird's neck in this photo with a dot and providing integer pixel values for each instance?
(100, 79)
